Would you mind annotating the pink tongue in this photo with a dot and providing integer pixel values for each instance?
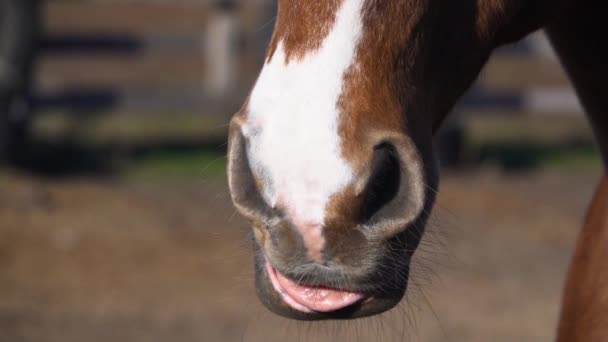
(304, 298)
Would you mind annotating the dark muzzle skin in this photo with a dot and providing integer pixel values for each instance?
(383, 287)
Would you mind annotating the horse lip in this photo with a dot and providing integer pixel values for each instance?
(312, 299)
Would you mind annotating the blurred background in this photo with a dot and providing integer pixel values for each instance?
(115, 219)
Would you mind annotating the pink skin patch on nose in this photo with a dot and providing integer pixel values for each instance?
(310, 299)
(310, 229)
(312, 234)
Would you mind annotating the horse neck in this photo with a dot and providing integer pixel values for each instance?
(585, 306)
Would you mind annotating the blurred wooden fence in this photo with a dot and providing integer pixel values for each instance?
(153, 56)
(525, 78)
(150, 56)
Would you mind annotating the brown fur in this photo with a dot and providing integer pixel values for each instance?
(376, 86)
(585, 313)
(302, 26)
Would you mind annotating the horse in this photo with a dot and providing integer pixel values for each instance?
(331, 156)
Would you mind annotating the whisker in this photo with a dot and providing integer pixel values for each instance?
(265, 25)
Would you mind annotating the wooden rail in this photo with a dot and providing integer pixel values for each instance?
(127, 49)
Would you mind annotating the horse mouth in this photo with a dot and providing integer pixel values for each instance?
(313, 299)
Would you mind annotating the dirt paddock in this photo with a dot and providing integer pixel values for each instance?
(99, 260)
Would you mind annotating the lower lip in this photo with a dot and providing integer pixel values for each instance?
(311, 299)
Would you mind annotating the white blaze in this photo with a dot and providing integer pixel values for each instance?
(292, 123)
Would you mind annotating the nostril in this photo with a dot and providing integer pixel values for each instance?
(244, 189)
(383, 184)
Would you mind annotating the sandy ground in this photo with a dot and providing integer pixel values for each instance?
(100, 260)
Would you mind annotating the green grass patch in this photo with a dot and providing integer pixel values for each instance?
(587, 158)
(533, 155)
(177, 166)
(138, 146)
(519, 142)
(485, 128)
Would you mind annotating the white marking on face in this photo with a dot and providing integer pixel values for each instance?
(292, 125)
